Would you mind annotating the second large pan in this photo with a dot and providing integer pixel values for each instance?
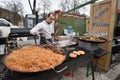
(26, 61)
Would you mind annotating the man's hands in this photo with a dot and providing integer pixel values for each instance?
(37, 32)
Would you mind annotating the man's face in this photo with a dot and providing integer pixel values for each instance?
(50, 19)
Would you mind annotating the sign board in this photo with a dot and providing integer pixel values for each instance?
(102, 18)
(31, 16)
(30, 20)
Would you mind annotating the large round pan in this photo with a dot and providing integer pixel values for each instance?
(47, 46)
(93, 39)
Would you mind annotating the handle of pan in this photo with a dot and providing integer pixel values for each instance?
(58, 71)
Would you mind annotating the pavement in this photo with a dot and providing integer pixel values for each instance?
(80, 73)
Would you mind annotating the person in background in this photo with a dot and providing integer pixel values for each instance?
(44, 29)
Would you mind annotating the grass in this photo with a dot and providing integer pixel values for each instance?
(77, 25)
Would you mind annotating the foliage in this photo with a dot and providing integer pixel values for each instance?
(14, 6)
(67, 5)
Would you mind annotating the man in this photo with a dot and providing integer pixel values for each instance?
(44, 28)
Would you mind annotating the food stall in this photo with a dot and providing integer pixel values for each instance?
(68, 64)
(101, 25)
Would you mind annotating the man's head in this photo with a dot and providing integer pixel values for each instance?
(50, 17)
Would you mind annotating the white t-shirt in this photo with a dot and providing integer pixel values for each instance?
(45, 27)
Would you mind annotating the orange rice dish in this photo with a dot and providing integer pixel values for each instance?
(33, 59)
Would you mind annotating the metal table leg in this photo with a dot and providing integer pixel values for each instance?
(92, 66)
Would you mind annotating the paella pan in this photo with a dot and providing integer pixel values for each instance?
(92, 39)
(34, 58)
